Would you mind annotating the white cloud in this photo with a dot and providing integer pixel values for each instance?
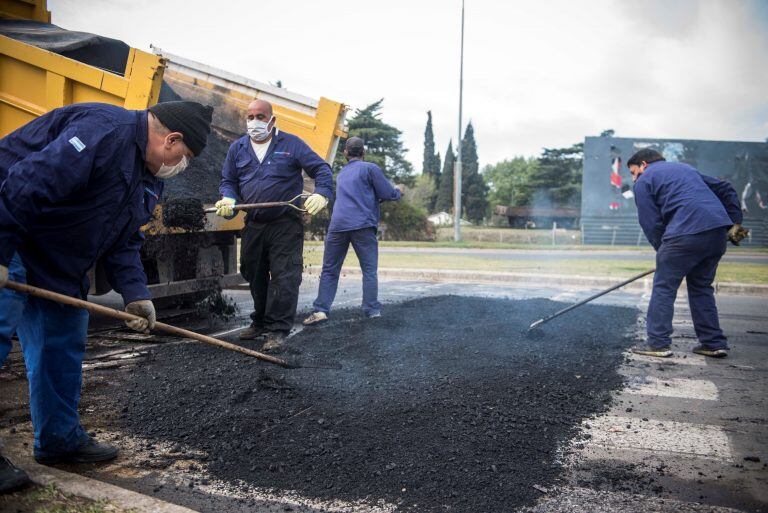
(536, 73)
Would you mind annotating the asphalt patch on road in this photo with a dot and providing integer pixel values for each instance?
(442, 403)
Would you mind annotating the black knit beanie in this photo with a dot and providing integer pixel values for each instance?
(192, 119)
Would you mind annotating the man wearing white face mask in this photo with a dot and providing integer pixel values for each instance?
(264, 166)
(76, 185)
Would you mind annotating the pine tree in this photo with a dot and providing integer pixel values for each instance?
(555, 181)
(444, 202)
(474, 191)
(382, 142)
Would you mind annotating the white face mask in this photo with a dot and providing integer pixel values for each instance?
(171, 171)
(257, 130)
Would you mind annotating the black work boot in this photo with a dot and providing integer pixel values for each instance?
(252, 333)
(274, 340)
(89, 452)
(11, 478)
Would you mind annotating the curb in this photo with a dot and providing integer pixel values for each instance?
(528, 279)
(80, 486)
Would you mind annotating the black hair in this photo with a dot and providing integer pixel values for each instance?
(646, 155)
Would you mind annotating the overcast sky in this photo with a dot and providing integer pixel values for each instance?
(537, 73)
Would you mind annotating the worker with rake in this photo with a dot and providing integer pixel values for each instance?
(76, 185)
(688, 218)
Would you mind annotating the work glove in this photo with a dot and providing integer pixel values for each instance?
(315, 203)
(143, 308)
(737, 233)
(3, 276)
(224, 207)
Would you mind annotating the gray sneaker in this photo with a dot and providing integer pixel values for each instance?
(646, 350)
(315, 318)
(712, 353)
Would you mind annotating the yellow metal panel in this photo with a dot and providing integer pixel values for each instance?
(58, 91)
(114, 84)
(25, 10)
(327, 120)
(20, 80)
(82, 93)
(11, 118)
(50, 61)
(144, 72)
(34, 81)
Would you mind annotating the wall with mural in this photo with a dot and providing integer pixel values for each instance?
(608, 209)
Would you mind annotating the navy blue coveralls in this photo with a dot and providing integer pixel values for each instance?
(685, 216)
(272, 245)
(360, 187)
(73, 189)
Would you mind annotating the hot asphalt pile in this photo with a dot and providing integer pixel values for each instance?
(443, 403)
(184, 213)
(202, 176)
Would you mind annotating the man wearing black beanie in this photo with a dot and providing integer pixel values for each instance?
(76, 185)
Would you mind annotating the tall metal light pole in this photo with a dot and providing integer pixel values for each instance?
(457, 169)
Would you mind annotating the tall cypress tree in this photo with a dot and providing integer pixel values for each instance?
(428, 163)
(474, 191)
(444, 202)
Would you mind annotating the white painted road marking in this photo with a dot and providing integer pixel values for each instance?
(674, 387)
(660, 436)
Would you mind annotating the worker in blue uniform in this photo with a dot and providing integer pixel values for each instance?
(76, 185)
(360, 187)
(265, 165)
(688, 218)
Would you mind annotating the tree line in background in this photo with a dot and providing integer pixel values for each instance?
(552, 179)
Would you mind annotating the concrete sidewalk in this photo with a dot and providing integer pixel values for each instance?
(81, 486)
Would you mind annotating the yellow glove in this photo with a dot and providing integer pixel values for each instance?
(315, 203)
(224, 207)
(142, 308)
(3, 276)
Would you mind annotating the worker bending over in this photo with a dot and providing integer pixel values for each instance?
(265, 166)
(360, 187)
(688, 219)
(76, 185)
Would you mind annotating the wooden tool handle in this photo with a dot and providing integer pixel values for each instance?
(125, 316)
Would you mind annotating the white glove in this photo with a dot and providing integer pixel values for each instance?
(224, 207)
(143, 308)
(315, 203)
(3, 276)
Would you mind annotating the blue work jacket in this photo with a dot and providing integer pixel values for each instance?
(360, 187)
(674, 199)
(74, 189)
(278, 178)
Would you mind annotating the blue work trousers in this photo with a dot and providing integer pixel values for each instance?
(695, 258)
(367, 250)
(52, 339)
